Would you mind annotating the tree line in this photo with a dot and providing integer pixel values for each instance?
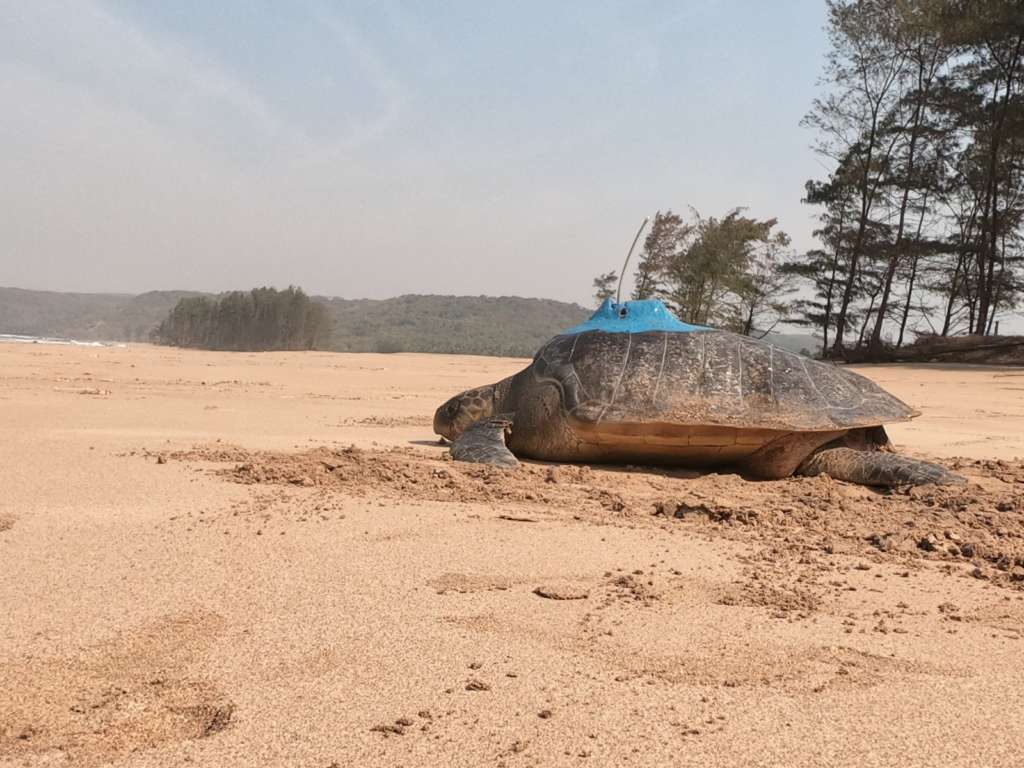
(921, 121)
(262, 319)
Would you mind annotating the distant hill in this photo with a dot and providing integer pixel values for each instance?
(468, 325)
(85, 316)
(800, 343)
(473, 325)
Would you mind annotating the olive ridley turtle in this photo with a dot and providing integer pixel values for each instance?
(636, 385)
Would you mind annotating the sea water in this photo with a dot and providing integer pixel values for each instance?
(18, 338)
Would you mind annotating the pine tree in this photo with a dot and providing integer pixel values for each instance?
(604, 286)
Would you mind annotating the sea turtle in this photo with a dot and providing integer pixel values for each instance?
(636, 385)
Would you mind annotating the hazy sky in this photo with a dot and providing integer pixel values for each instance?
(368, 149)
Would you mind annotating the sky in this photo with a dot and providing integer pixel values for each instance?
(371, 149)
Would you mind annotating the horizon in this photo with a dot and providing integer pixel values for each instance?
(1011, 324)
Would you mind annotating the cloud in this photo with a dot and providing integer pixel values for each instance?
(85, 46)
(390, 92)
(369, 151)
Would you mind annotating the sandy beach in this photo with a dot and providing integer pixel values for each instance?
(232, 559)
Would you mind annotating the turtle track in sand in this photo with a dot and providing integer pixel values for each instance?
(979, 527)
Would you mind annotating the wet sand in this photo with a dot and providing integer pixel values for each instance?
(236, 560)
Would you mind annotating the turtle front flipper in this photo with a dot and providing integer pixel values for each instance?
(876, 468)
(484, 443)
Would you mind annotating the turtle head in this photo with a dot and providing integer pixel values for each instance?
(462, 410)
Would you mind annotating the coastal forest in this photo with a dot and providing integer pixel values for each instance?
(509, 326)
(920, 121)
(265, 319)
(262, 319)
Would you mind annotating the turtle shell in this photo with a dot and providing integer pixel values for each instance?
(707, 377)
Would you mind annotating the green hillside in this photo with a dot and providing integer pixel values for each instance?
(469, 325)
(476, 325)
(85, 316)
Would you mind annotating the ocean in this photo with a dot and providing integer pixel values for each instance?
(18, 338)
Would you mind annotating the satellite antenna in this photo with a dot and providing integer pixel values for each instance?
(622, 275)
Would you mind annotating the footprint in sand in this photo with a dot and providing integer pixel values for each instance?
(462, 583)
(131, 693)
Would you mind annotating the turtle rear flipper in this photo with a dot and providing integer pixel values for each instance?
(876, 468)
(484, 443)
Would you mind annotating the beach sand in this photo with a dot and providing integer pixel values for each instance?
(267, 560)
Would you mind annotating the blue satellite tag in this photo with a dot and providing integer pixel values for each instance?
(634, 317)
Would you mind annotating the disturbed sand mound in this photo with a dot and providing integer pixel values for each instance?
(980, 524)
